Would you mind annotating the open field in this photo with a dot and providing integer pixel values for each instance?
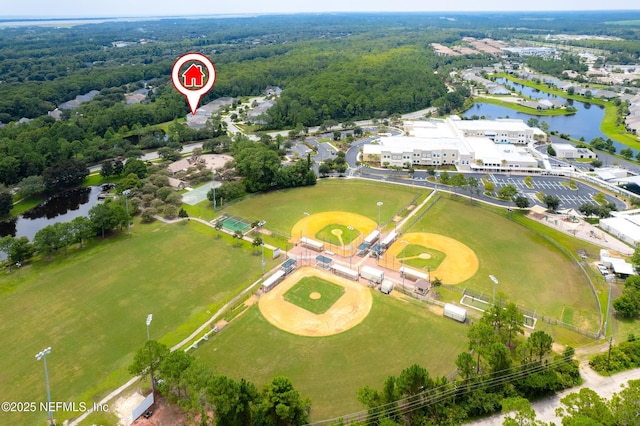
(314, 294)
(532, 272)
(330, 369)
(282, 209)
(91, 305)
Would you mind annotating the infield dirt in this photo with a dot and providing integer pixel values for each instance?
(460, 264)
(347, 312)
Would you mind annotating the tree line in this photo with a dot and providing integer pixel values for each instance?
(192, 385)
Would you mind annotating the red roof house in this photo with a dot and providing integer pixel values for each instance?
(193, 76)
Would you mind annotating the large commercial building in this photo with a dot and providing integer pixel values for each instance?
(466, 144)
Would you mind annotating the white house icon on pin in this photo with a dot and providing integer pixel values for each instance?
(193, 76)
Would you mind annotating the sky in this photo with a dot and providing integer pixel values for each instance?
(152, 8)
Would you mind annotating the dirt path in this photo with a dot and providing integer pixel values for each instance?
(546, 408)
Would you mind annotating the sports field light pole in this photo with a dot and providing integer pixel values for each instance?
(42, 355)
(213, 187)
(126, 193)
(262, 244)
(495, 282)
(153, 385)
(306, 230)
(379, 204)
(606, 321)
(350, 228)
(406, 243)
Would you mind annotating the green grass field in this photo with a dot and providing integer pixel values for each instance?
(91, 306)
(300, 294)
(532, 272)
(282, 209)
(410, 256)
(328, 234)
(330, 370)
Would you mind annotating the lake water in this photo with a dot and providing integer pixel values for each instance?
(585, 123)
(61, 208)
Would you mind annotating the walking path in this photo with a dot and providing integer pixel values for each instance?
(546, 408)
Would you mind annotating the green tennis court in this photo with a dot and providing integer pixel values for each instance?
(235, 224)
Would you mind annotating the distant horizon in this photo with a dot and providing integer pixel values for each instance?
(249, 14)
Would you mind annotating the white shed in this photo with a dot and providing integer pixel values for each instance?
(455, 312)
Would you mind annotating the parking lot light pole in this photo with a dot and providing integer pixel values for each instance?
(379, 204)
(495, 282)
(42, 355)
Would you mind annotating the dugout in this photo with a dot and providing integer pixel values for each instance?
(412, 274)
(372, 237)
(273, 280)
(343, 271)
(363, 248)
(323, 262)
(390, 238)
(288, 266)
(312, 244)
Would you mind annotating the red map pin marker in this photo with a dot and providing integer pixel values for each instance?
(193, 81)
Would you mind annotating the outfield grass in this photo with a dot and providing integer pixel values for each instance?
(346, 236)
(282, 209)
(300, 294)
(331, 369)
(90, 307)
(531, 270)
(412, 251)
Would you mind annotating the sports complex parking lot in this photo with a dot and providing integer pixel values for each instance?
(569, 198)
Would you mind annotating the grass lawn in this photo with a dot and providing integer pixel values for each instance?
(330, 234)
(410, 256)
(282, 209)
(521, 108)
(532, 271)
(330, 370)
(300, 294)
(90, 307)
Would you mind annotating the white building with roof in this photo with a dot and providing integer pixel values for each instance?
(625, 226)
(566, 150)
(466, 144)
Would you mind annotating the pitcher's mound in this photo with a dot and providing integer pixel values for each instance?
(347, 312)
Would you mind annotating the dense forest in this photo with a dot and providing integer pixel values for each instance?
(338, 67)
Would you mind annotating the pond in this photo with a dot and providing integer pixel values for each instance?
(60, 208)
(585, 123)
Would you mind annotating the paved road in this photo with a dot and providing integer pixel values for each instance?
(546, 408)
